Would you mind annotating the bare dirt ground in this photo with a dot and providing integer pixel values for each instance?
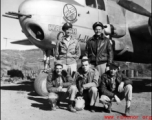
(20, 102)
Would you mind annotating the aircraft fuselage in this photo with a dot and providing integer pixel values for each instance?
(43, 29)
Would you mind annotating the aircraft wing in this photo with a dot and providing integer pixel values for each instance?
(140, 30)
(22, 42)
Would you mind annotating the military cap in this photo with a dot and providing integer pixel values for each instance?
(113, 66)
(84, 58)
(58, 62)
(98, 24)
(66, 26)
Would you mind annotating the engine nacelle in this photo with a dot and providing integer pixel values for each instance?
(115, 31)
(37, 28)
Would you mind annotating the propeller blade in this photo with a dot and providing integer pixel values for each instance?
(133, 7)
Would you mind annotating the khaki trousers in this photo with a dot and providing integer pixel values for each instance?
(67, 93)
(101, 68)
(127, 94)
(89, 95)
(71, 67)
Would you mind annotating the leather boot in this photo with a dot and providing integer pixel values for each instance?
(127, 111)
(70, 106)
(92, 109)
(58, 105)
(108, 109)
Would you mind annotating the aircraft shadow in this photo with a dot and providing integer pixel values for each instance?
(41, 106)
(96, 109)
(118, 112)
(32, 93)
(102, 110)
(23, 86)
(142, 85)
(44, 105)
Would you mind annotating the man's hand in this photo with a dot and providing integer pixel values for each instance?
(48, 70)
(117, 99)
(59, 89)
(64, 90)
(44, 70)
(81, 91)
(70, 55)
(121, 87)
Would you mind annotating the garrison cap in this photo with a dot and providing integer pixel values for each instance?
(113, 66)
(98, 24)
(58, 62)
(84, 58)
(66, 26)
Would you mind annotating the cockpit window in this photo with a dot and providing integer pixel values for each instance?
(91, 3)
(101, 4)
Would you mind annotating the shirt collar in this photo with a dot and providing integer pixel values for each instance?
(67, 39)
(109, 76)
(95, 37)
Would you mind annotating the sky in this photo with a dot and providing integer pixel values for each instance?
(10, 28)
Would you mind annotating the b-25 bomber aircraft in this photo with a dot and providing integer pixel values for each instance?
(42, 20)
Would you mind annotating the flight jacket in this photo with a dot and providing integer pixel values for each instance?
(99, 50)
(91, 80)
(104, 83)
(70, 54)
(67, 80)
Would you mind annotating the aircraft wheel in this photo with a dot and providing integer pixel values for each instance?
(40, 84)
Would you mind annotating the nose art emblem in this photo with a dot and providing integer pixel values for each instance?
(70, 13)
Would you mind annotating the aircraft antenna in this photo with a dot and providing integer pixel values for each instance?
(98, 15)
(98, 11)
(6, 41)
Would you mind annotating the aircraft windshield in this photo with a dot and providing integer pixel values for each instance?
(91, 3)
(101, 4)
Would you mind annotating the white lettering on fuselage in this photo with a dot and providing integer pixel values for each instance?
(57, 28)
(83, 38)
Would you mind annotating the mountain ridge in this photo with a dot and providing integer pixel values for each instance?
(30, 60)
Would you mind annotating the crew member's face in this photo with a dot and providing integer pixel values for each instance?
(98, 30)
(113, 72)
(68, 32)
(85, 66)
(58, 69)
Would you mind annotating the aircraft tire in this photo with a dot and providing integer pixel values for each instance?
(40, 84)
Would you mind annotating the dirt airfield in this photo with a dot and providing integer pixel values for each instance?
(20, 102)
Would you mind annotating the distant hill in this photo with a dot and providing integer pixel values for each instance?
(22, 60)
(30, 60)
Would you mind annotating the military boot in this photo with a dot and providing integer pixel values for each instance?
(70, 106)
(127, 111)
(107, 109)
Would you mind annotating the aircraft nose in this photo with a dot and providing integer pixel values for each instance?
(36, 32)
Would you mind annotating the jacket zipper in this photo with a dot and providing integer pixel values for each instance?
(96, 51)
(67, 51)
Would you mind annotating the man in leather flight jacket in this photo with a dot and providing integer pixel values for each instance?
(114, 86)
(99, 49)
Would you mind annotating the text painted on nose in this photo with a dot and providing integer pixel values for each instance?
(57, 28)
